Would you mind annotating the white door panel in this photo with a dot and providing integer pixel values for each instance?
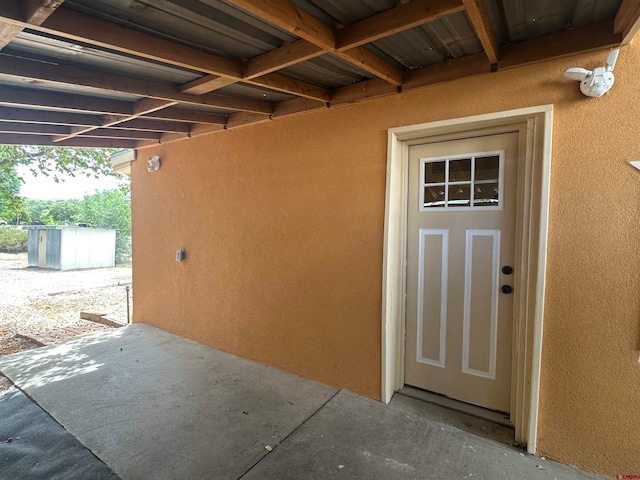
(461, 224)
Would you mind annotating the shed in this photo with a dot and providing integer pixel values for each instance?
(69, 248)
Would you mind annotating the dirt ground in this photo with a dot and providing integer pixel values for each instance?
(32, 299)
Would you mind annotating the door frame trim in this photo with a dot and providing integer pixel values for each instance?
(532, 221)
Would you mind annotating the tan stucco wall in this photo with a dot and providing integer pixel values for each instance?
(283, 228)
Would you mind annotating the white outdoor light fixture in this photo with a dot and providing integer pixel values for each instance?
(635, 163)
(154, 163)
(597, 82)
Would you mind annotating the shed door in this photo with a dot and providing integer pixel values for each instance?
(42, 248)
(461, 225)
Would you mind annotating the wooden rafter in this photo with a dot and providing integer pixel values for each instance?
(627, 21)
(284, 84)
(206, 84)
(478, 16)
(283, 57)
(153, 125)
(588, 38)
(62, 108)
(45, 140)
(37, 11)
(293, 19)
(449, 70)
(168, 112)
(19, 97)
(147, 105)
(8, 31)
(67, 75)
(403, 17)
(570, 42)
(56, 130)
(34, 12)
(178, 114)
(77, 26)
(288, 16)
(31, 115)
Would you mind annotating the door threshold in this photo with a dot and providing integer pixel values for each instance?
(501, 418)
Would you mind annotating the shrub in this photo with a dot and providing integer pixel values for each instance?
(13, 240)
(123, 250)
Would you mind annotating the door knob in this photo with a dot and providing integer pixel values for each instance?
(507, 270)
(506, 289)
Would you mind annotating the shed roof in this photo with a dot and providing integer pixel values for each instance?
(128, 73)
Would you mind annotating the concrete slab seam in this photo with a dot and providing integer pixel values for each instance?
(290, 433)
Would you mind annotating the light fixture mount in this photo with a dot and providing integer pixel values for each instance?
(596, 82)
(154, 163)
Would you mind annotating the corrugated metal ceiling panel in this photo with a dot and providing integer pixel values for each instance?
(255, 93)
(339, 13)
(449, 37)
(533, 18)
(213, 25)
(57, 50)
(57, 88)
(326, 71)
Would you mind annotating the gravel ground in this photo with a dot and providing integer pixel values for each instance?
(33, 299)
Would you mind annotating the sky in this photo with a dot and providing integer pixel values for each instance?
(45, 188)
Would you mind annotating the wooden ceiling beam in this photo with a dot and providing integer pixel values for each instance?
(37, 11)
(446, 71)
(591, 37)
(178, 114)
(284, 84)
(206, 84)
(201, 129)
(45, 129)
(241, 119)
(360, 91)
(398, 19)
(84, 28)
(627, 20)
(295, 20)
(33, 12)
(8, 31)
(373, 64)
(480, 21)
(119, 133)
(261, 65)
(33, 128)
(26, 98)
(30, 115)
(142, 107)
(296, 106)
(33, 106)
(74, 76)
(45, 140)
(153, 125)
(282, 57)
(79, 27)
(271, 81)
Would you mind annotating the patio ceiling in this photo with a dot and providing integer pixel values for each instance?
(128, 73)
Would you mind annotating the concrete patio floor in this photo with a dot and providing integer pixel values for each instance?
(152, 405)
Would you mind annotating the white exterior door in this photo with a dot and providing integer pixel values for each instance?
(42, 248)
(460, 278)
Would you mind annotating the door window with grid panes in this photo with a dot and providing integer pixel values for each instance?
(462, 182)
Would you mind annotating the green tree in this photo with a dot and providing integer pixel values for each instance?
(50, 162)
(107, 209)
(54, 161)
